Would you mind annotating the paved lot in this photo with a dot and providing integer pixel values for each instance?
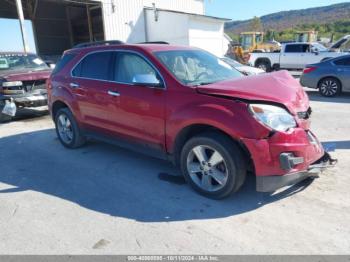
(101, 199)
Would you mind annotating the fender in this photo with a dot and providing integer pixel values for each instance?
(64, 95)
(222, 116)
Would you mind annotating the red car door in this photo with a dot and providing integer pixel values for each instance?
(141, 99)
(91, 84)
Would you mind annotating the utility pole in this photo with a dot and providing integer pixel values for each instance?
(21, 24)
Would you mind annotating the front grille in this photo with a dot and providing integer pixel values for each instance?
(30, 86)
(305, 115)
(27, 87)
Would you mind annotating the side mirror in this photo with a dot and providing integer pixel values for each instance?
(52, 66)
(149, 80)
(315, 51)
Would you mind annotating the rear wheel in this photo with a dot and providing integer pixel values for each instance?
(213, 165)
(264, 65)
(67, 129)
(329, 87)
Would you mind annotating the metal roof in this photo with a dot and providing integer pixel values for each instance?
(191, 14)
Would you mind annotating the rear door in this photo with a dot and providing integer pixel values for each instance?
(141, 111)
(91, 82)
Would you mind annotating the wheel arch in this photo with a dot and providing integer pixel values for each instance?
(266, 61)
(262, 59)
(57, 105)
(192, 130)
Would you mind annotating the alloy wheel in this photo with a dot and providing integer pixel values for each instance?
(329, 87)
(207, 168)
(65, 129)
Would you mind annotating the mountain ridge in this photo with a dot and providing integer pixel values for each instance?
(293, 18)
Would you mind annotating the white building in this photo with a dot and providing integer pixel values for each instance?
(175, 21)
(60, 24)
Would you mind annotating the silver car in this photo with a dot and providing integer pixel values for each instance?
(330, 77)
(244, 69)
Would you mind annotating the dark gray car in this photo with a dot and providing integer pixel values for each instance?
(330, 77)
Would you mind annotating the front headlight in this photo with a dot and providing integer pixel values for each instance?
(274, 117)
(12, 83)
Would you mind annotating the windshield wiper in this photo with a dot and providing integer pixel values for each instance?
(203, 83)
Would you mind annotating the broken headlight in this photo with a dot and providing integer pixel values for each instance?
(273, 117)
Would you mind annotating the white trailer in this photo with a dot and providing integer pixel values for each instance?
(179, 22)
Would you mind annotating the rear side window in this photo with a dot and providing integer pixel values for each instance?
(294, 49)
(65, 59)
(95, 66)
(343, 61)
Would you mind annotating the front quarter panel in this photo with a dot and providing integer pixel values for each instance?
(229, 116)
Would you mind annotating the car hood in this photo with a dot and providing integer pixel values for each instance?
(25, 75)
(278, 87)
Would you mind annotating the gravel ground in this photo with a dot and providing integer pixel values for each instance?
(102, 199)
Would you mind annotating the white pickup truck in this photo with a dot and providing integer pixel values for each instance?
(292, 56)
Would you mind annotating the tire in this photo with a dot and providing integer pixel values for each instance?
(67, 129)
(204, 178)
(264, 65)
(329, 87)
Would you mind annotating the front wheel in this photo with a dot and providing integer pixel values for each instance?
(329, 87)
(213, 165)
(67, 129)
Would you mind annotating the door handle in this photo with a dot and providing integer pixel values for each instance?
(113, 93)
(73, 85)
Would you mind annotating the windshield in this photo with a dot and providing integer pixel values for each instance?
(196, 67)
(20, 62)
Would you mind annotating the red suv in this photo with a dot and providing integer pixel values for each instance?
(188, 106)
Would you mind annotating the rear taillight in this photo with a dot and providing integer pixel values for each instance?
(309, 70)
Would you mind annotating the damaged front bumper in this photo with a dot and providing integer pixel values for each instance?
(272, 183)
(36, 98)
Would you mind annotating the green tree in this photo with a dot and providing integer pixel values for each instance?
(255, 25)
(270, 35)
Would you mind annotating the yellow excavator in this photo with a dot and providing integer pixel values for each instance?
(253, 42)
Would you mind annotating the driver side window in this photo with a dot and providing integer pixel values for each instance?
(130, 66)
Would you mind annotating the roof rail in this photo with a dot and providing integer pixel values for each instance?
(156, 42)
(97, 43)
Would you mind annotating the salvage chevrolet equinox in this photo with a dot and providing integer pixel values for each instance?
(188, 106)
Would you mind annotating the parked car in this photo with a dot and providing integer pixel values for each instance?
(292, 56)
(330, 77)
(244, 69)
(188, 106)
(22, 82)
